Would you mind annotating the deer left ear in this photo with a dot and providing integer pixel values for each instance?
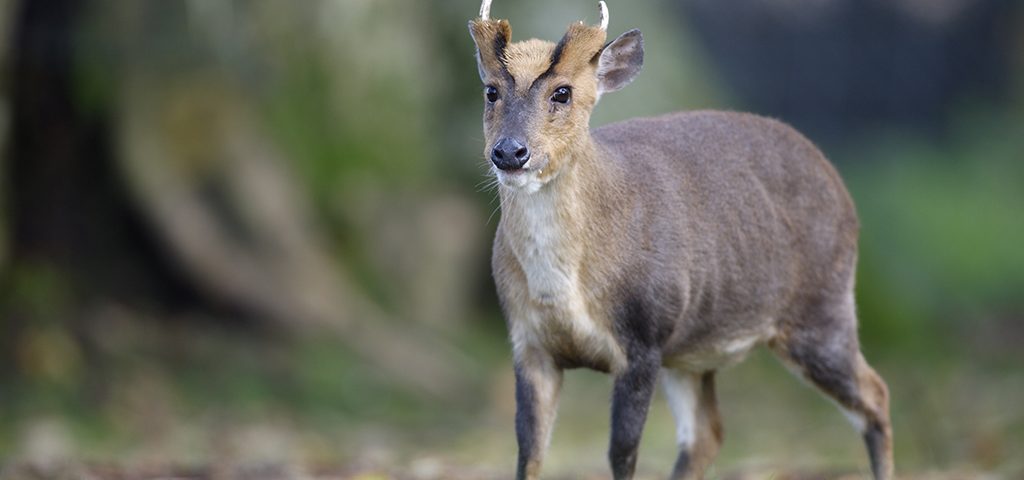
(620, 61)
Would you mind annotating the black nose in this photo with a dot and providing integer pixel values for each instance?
(509, 154)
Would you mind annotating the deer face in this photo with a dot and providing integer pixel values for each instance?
(538, 95)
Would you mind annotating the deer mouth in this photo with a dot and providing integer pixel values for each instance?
(513, 178)
(530, 177)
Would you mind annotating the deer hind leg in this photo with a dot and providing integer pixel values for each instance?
(824, 349)
(691, 397)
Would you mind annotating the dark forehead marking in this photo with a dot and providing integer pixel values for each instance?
(500, 42)
(499, 48)
(556, 56)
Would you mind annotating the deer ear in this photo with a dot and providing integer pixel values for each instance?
(620, 61)
(491, 37)
(480, 67)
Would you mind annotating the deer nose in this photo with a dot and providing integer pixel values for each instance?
(509, 154)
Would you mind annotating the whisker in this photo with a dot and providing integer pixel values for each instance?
(501, 205)
(486, 184)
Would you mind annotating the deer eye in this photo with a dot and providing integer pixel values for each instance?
(561, 95)
(491, 93)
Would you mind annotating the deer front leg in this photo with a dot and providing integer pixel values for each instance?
(538, 381)
(631, 398)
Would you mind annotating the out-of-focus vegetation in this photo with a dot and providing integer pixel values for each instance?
(248, 238)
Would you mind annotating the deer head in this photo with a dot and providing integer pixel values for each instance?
(538, 95)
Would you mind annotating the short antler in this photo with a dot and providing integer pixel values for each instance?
(485, 10)
(604, 14)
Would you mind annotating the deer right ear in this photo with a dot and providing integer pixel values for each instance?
(491, 37)
(620, 62)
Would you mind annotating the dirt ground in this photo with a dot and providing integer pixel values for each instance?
(423, 471)
(950, 424)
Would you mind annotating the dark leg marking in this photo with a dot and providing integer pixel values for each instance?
(875, 439)
(630, 401)
(526, 422)
(682, 465)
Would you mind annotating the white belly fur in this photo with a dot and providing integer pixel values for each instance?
(719, 354)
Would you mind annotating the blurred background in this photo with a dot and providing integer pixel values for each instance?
(249, 239)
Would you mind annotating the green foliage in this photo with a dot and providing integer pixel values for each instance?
(38, 292)
(940, 241)
(376, 102)
(166, 380)
(346, 105)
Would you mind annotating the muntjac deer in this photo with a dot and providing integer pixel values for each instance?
(660, 247)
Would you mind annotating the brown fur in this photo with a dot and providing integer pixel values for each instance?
(527, 60)
(581, 44)
(709, 433)
(692, 236)
(490, 33)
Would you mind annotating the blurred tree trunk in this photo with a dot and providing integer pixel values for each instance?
(164, 195)
(74, 234)
(68, 212)
(68, 206)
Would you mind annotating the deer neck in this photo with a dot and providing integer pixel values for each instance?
(548, 229)
(566, 202)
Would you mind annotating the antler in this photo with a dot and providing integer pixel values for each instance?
(485, 10)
